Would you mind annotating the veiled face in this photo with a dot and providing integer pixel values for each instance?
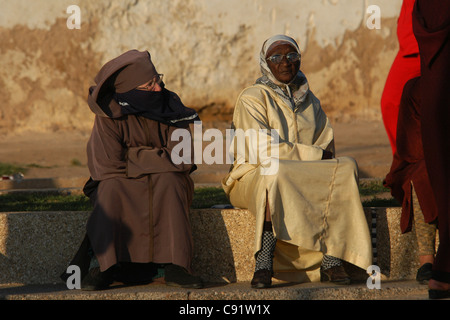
(285, 71)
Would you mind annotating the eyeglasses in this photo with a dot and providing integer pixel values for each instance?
(291, 57)
(151, 85)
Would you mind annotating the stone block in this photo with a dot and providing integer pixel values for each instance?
(36, 247)
(396, 253)
(223, 241)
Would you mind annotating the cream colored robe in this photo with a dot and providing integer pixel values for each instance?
(314, 204)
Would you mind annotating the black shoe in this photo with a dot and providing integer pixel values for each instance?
(177, 276)
(438, 294)
(133, 273)
(424, 273)
(262, 279)
(97, 280)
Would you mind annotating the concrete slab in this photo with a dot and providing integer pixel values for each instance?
(36, 247)
(400, 290)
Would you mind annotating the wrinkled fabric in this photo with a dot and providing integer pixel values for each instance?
(408, 165)
(314, 203)
(140, 197)
(405, 35)
(141, 206)
(406, 66)
(163, 106)
(120, 76)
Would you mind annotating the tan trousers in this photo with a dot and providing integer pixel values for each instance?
(425, 232)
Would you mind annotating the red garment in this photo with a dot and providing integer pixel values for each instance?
(405, 66)
(431, 24)
(407, 40)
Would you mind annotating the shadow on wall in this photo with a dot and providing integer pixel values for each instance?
(36, 246)
(214, 253)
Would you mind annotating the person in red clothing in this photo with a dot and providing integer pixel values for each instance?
(405, 66)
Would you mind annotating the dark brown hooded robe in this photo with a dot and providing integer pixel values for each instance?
(141, 198)
(423, 130)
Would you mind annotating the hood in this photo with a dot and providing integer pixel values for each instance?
(431, 25)
(121, 74)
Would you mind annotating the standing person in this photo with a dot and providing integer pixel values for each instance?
(409, 181)
(141, 198)
(405, 66)
(309, 216)
(431, 25)
(408, 171)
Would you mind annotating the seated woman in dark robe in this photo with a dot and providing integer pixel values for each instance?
(141, 199)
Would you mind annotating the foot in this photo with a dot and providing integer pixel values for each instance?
(262, 279)
(335, 275)
(438, 290)
(177, 276)
(133, 274)
(424, 273)
(97, 280)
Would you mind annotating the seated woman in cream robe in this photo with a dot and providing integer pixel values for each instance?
(308, 210)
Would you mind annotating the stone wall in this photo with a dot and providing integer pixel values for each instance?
(207, 49)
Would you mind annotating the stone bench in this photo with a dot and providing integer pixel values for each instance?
(36, 247)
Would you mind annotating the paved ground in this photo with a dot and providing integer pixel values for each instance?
(230, 301)
(400, 290)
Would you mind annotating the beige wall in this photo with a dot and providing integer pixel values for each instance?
(207, 49)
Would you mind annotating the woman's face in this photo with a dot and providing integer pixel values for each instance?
(285, 71)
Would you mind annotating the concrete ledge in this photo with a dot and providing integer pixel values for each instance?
(36, 247)
(240, 291)
(395, 253)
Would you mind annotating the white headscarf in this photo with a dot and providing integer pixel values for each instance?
(297, 88)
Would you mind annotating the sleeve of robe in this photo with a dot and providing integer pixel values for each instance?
(251, 113)
(108, 157)
(105, 150)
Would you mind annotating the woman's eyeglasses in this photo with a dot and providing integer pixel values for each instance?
(291, 57)
(151, 85)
